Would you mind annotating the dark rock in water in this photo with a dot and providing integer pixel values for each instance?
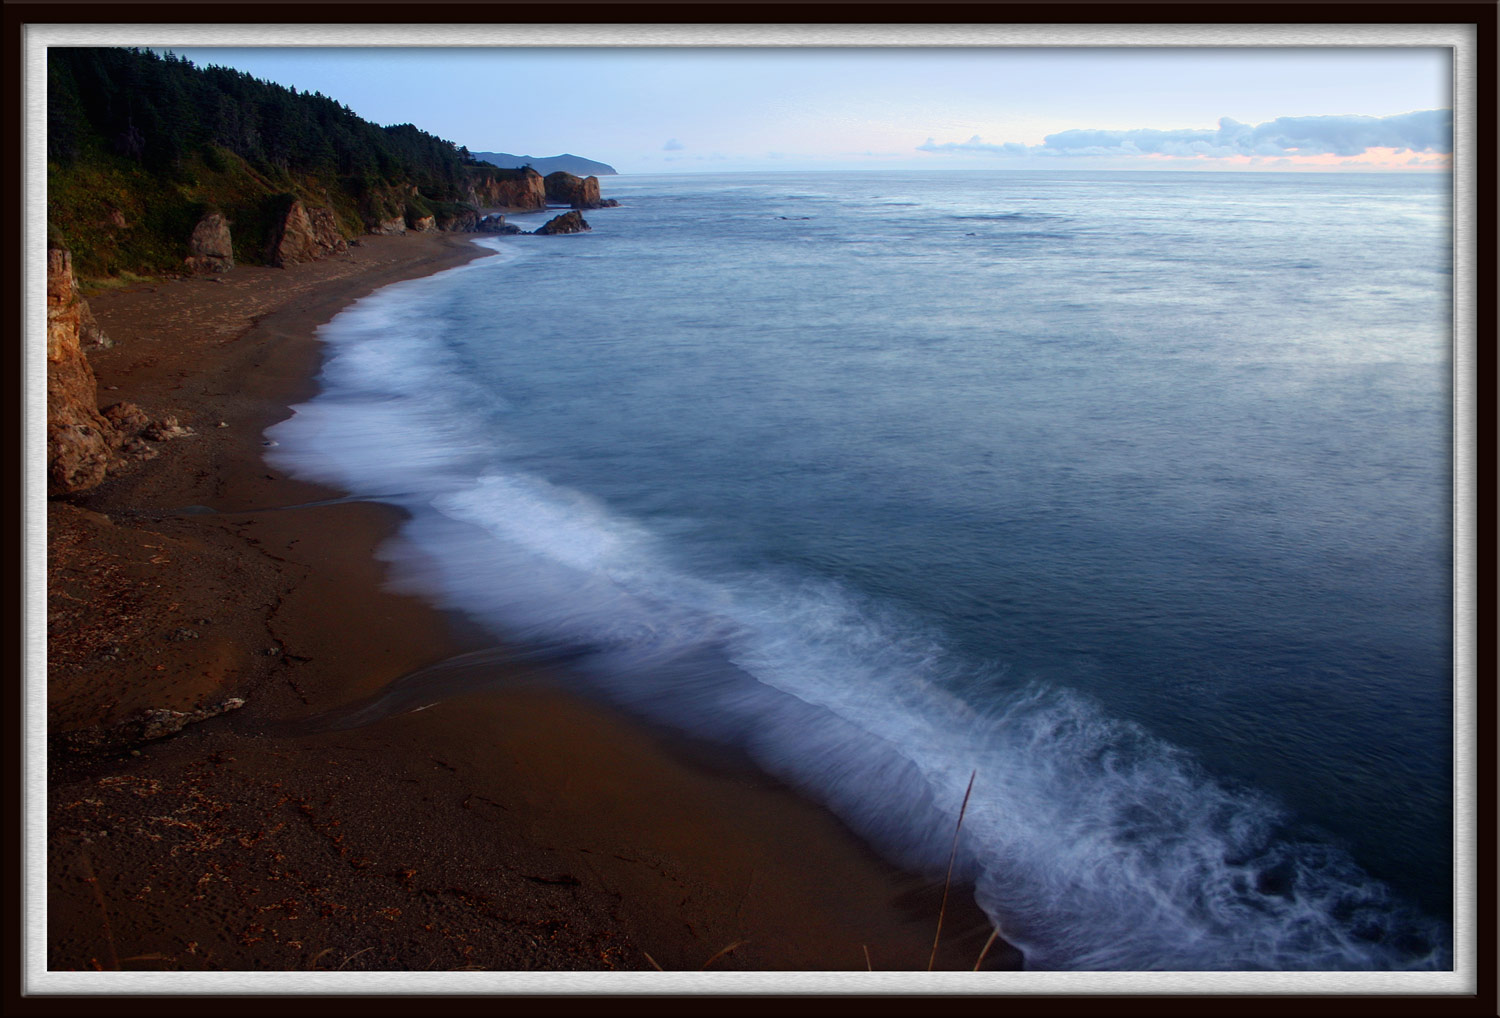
(580, 192)
(568, 222)
(495, 224)
(566, 189)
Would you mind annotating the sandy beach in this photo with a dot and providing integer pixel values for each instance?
(504, 824)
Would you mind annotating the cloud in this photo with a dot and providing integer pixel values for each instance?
(1344, 136)
(975, 145)
(672, 145)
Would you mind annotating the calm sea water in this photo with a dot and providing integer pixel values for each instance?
(1129, 494)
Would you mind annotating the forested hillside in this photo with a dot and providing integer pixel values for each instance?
(141, 148)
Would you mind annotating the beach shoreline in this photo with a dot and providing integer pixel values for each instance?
(513, 827)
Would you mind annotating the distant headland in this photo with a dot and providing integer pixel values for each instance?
(567, 162)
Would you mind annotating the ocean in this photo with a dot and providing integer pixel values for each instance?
(1127, 494)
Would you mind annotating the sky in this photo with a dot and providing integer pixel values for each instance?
(671, 110)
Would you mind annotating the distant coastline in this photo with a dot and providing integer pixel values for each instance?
(567, 162)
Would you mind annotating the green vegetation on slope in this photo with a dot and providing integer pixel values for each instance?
(140, 147)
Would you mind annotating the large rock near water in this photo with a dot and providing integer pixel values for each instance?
(305, 235)
(564, 188)
(495, 224)
(568, 222)
(210, 248)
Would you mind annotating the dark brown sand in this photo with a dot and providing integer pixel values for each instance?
(513, 827)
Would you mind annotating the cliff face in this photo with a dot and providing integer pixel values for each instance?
(516, 189)
(84, 444)
(305, 235)
(564, 188)
(79, 440)
(459, 220)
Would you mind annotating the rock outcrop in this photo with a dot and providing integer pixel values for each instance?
(510, 189)
(460, 219)
(210, 248)
(83, 444)
(305, 235)
(568, 222)
(564, 188)
(495, 224)
(80, 441)
(420, 224)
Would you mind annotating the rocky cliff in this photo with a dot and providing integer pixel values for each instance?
(305, 235)
(514, 189)
(79, 440)
(84, 444)
(564, 188)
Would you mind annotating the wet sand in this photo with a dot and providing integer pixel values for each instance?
(510, 825)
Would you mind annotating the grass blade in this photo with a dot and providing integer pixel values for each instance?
(987, 945)
(953, 854)
(731, 947)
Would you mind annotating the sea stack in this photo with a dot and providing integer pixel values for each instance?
(568, 222)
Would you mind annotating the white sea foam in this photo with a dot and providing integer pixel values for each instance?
(1091, 843)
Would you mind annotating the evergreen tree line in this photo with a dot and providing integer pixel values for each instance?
(157, 111)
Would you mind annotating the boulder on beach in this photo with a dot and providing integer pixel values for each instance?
(210, 248)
